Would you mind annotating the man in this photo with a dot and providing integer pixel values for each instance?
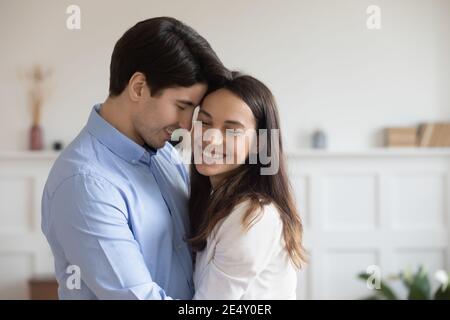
(114, 206)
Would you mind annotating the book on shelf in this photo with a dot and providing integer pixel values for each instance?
(401, 137)
(434, 134)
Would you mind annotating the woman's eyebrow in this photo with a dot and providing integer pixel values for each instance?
(235, 123)
(205, 113)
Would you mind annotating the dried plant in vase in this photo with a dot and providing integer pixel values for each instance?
(37, 79)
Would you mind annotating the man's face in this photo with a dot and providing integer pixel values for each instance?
(155, 118)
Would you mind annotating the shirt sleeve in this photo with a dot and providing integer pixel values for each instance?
(89, 221)
(240, 255)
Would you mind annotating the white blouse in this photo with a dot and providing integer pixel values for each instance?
(240, 264)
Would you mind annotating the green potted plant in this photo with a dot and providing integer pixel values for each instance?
(418, 285)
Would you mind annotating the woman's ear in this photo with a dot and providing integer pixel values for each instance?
(136, 86)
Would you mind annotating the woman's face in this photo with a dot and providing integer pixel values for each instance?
(227, 134)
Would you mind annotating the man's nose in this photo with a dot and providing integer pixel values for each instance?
(185, 121)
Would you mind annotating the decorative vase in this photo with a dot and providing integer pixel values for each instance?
(319, 140)
(36, 138)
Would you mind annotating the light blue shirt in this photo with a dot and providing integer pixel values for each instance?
(118, 213)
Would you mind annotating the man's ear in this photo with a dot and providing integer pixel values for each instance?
(136, 86)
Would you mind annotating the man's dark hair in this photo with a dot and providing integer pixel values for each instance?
(169, 54)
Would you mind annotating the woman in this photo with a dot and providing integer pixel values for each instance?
(245, 228)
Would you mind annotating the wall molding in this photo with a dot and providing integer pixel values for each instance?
(358, 207)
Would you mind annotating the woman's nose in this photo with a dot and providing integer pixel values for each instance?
(216, 137)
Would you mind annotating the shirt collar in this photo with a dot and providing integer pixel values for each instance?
(116, 141)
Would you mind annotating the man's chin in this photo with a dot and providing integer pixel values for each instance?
(156, 144)
(161, 143)
(158, 141)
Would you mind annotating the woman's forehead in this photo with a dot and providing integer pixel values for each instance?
(222, 106)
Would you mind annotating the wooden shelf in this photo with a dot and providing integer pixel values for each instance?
(28, 155)
(291, 153)
(370, 153)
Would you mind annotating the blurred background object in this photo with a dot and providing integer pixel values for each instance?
(319, 139)
(43, 288)
(36, 79)
(434, 135)
(401, 137)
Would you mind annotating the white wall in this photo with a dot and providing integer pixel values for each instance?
(324, 66)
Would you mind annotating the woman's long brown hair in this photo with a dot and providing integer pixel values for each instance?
(206, 209)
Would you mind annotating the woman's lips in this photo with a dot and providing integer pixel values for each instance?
(213, 157)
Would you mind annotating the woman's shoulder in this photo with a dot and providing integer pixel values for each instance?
(268, 209)
(262, 215)
(258, 235)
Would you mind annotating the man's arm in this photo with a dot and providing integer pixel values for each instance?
(89, 220)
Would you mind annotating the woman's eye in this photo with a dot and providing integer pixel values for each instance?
(235, 132)
(180, 107)
(205, 124)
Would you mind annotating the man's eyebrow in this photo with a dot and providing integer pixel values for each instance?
(205, 113)
(187, 102)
